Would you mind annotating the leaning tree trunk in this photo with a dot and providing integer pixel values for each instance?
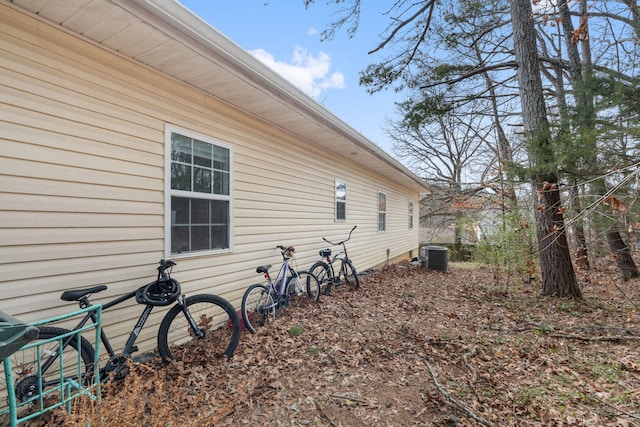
(623, 255)
(582, 254)
(577, 225)
(580, 77)
(556, 269)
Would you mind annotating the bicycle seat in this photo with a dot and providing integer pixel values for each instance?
(263, 269)
(79, 293)
(325, 253)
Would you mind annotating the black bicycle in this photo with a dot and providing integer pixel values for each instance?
(203, 323)
(328, 276)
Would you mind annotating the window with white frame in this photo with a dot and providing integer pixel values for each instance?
(410, 215)
(200, 194)
(341, 201)
(382, 211)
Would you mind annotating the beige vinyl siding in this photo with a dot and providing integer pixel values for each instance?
(82, 182)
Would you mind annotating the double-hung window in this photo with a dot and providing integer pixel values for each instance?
(382, 212)
(410, 215)
(199, 194)
(341, 201)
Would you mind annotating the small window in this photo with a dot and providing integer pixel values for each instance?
(341, 201)
(382, 212)
(200, 194)
(410, 215)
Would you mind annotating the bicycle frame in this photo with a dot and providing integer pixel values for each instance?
(330, 273)
(280, 279)
(129, 347)
(262, 301)
(337, 256)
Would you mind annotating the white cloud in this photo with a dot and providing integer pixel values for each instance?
(312, 31)
(309, 73)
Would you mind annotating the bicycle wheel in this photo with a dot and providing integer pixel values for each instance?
(76, 363)
(322, 271)
(218, 324)
(303, 282)
(257, 307)
(349, 273)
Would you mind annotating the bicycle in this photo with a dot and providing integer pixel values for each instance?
(206, 319)
(261, 302)
(325, 273)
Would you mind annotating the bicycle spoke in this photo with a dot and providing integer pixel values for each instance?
(349, 274)
(258, 307)
(71, 365)
(217, 335)
(322, 272)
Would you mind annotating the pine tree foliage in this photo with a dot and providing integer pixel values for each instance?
(456, 58)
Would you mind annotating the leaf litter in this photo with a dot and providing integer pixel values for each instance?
(412, 347)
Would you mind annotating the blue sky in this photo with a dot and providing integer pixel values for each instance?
(286, 36)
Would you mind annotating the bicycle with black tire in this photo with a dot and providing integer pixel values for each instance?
(261, 302)
(202, 322)
(328, 276)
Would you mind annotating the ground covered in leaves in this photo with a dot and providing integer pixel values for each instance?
(412, 347)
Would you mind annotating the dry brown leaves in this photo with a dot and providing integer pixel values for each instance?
(414, 347)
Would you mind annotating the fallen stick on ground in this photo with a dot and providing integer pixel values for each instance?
(455, 402)
(323, 414)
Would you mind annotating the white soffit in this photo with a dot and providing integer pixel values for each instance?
(169, 38)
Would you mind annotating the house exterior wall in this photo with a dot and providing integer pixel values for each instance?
(82, 182)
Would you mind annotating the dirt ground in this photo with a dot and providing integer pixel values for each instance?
(413, 347)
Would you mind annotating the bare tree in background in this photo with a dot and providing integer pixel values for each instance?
(440, 144)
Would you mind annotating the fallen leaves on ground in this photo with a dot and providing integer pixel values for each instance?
(415, 347)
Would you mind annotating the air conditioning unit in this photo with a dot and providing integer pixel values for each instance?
(434, 257)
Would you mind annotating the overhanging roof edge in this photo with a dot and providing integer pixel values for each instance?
(191, 29)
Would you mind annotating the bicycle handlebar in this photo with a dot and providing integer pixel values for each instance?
(287, 251)
(165, 264)
(344, 241)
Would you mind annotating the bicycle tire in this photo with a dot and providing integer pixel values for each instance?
(255, 298)
(214, 315)
(25, 367)
(303, 282)
(322, 271)
(350, 275)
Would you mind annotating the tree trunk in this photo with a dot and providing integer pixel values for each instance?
(582, 258)
(556, 269)
(623, 255)
(558, 275)
(577, 225)
(585, 125)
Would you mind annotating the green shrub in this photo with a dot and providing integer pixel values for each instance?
(509, 248)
